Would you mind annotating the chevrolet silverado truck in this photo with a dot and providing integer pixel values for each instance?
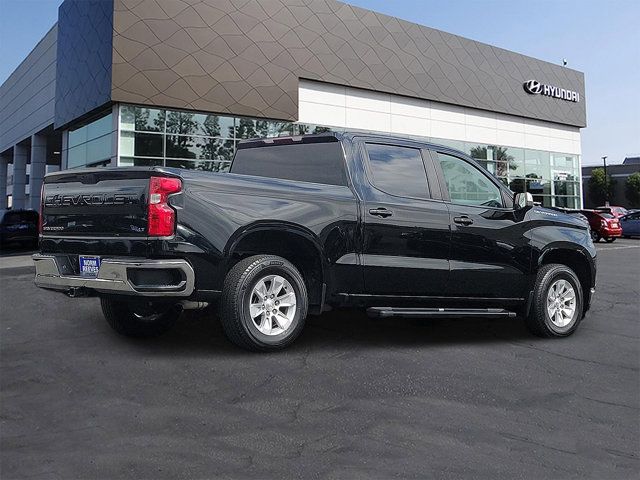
(308, 223)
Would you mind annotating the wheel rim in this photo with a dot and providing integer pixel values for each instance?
(561, 303)
(272, 305)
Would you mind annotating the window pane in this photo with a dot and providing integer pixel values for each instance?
(567, 202)
(254, 128)
(214, 125)
(564, 162)
(140, 144)
(457, 144)
(199, 148)
(77, 137)
(141, 119)
(140, 162)
(312, 162)
(398, 170)
(538, 162)
(100, 127)
(204, 165)
(99, 149)
(77, 156)
(468, 185)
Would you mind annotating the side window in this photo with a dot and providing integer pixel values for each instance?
(467, 185)
(398, 170)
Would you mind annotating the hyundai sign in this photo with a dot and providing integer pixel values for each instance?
(534, 87)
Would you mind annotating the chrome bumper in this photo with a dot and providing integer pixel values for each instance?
(113, 277)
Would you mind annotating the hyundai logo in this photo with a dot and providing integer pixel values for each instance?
(534, 87)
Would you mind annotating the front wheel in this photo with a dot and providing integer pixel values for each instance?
(595, 236)
(610, 239)
(139, 319)
(556, 309)
(264, 303)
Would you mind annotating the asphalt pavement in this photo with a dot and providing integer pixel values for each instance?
(352, 398)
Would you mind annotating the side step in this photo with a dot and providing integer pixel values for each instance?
(385, 312)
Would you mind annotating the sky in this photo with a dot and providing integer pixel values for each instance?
(598, 37)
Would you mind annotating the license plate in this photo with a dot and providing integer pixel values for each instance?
(89, 266)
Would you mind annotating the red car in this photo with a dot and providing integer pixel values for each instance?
(603, 225)
(613, 210)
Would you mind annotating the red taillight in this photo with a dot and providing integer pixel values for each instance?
(162, 218)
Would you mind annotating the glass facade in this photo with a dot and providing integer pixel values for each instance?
(90, 145)
(192, 140)
(203, 141)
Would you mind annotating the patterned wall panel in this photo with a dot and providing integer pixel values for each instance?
(83, 75)
(246, 56)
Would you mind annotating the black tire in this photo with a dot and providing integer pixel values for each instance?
(139, 319)
(610, 239)
(595, 236)
(538, 321)
(239, 327)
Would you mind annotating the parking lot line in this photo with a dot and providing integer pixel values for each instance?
(603, 248)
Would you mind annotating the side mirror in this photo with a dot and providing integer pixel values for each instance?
(523, 200)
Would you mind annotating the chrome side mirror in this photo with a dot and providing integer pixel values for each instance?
(523, 200)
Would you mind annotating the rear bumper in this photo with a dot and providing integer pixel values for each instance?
(611, 232)
(115, 276)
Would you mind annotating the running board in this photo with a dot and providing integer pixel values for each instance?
(385, 312)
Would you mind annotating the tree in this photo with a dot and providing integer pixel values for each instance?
(600, 188)
(632, 189)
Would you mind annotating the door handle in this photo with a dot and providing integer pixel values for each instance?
(464, 220)
(380, 212)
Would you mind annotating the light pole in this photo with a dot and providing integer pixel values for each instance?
(606, 183)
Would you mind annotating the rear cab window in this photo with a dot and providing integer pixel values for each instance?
(318, 162)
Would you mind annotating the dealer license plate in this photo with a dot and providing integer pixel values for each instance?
(89, 266)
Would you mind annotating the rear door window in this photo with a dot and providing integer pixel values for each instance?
(398, 170)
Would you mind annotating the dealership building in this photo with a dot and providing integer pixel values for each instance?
(179, 83)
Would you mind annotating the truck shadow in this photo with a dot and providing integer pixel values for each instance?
(200, 332)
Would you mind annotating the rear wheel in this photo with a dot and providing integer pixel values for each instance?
(595, 236)
(264, 303)
(610, 239)
(139, 319)
(556, 309)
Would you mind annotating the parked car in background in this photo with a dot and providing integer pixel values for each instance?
(613, 210)
(19, 227)
(630, 224)
(603, 225)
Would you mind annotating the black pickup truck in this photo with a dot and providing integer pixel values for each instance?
(304, 224)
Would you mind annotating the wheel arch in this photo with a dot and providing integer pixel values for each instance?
(575, 259)
(296, 244)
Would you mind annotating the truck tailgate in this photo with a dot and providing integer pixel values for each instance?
(102, 203)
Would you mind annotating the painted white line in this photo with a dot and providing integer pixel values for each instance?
(604, 249)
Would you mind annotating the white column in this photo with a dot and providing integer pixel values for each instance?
(4, 160)
(19, 175)
(38, 169)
